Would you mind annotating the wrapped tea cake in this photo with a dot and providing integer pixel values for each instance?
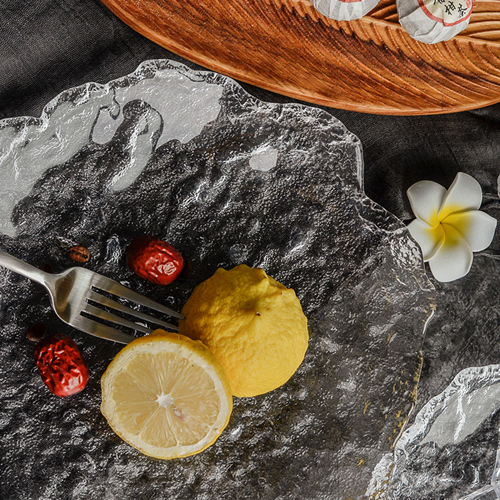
(433, 21)
(344, 10)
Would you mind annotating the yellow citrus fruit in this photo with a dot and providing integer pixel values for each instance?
(253, 324)
(166, 395)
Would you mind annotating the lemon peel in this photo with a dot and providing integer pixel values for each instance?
(252, 323)
(166, 395)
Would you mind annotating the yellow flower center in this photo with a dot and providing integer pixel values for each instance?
(448, 210)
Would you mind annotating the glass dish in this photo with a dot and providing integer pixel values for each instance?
(227, 179)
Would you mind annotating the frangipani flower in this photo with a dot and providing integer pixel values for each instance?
(449, 226)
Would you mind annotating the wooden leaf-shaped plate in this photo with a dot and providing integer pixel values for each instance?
(369, 65)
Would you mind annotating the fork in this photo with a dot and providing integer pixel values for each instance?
(73, 291)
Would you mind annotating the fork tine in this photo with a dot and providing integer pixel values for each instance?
(101, 314)
(113, 304)
(113, 287)
(96, 329)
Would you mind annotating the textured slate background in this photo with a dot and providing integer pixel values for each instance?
(48, 46)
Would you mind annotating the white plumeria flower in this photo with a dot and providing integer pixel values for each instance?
(449, 226)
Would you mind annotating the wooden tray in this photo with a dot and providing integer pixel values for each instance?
(369, 65)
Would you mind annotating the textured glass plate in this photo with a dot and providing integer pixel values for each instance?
(190, 157)
(453, 442)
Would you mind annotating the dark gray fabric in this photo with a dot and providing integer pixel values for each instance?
(47, 46)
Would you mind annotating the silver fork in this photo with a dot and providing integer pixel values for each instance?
(73, 291)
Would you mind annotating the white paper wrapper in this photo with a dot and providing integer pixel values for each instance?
(433, 21)
(344, 10)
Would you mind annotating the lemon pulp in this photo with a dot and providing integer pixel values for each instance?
(166, 395)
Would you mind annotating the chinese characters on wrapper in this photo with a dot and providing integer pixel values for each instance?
(428, 21)
(433, 21)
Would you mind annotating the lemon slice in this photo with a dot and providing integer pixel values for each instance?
(166, 395)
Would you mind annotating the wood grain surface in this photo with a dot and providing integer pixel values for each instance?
(369, 65)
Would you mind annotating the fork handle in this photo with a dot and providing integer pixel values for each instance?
(22, 268)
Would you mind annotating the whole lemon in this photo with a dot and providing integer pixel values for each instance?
(254, 325)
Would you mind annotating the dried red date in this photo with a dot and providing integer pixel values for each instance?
(79, 254)
(61, 365)
(154, 260)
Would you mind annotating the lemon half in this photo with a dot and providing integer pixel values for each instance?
(166, 395)
(252, 323)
